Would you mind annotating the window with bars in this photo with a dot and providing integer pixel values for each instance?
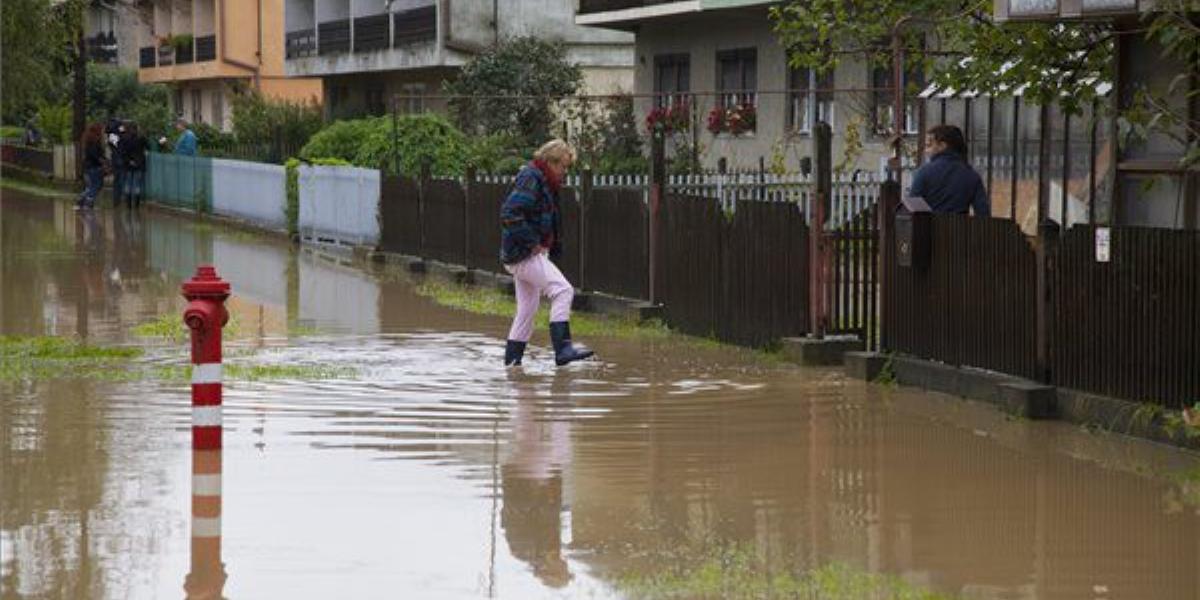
(882, 114)
(672, 79)
(218, 108)
(737, 76)
(376, 101)
(197, 106)
(810, 99)
(413, 101)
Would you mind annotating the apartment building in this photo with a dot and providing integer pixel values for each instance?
(368, 52)
(718, 54)
(209, 50)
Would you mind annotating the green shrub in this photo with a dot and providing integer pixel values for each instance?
(340, 139)
(55, 121)
(12, 131)
(257, 120)
(374, 144)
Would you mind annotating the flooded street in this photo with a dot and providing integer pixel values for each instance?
(399, 458)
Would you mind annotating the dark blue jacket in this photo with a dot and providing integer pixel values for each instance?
(949, 185)
(529, 217)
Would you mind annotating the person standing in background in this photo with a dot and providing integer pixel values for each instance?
(134, 149)
(947, 182)
(94, 165)
(186, 146)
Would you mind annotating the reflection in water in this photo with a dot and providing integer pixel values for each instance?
(206, 580)
(532, 474)
(452, 477)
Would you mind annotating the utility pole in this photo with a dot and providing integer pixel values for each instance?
(75, 17)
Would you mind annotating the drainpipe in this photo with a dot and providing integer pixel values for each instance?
(237, 63)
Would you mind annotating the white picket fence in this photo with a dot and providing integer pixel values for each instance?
(339, 205)
(250, 191)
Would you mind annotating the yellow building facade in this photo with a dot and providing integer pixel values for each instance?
(211, 50)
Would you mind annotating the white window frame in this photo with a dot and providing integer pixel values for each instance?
(814, 110)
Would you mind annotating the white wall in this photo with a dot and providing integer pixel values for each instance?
(254, 192)
(299, 14)
(339, 204)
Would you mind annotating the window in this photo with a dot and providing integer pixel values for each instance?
(218, 108)
(672, 79)
(882, 99)
(413, 101)
(178, 104)
(338, 95)
(810, 99)
(376, 101)
(737, 76)
(197, 106)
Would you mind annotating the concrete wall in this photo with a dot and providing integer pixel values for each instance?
(470, 25)
(204, 17)
(300, 14)
(239, 31)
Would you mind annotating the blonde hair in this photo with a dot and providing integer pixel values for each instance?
(556, 151)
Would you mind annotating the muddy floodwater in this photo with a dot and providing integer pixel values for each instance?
(399, 459)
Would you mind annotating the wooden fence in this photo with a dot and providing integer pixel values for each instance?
(975, 305)
(1126, 327)
(1129, 327)
(740, 277)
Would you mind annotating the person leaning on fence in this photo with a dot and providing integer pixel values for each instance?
(94, 165)
(947, 182)
(186, 146)
(530, 237)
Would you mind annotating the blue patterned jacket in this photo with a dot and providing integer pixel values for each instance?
(529, 217)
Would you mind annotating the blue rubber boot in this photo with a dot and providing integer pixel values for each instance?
(566, 351)
(513, 352)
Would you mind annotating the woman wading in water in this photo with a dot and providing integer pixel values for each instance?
(529, 221)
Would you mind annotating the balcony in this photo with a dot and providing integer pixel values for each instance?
(301, 44)
(414, 26)
(371, 33)
(166, 56)
(102, 48)
(334, 37)
(185, 52)
(147, 56)
(206, 48)
(600, 6)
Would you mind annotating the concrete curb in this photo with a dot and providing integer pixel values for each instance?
(813, 352)
(1022, 397)
(585, 301)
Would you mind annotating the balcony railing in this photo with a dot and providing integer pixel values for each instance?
(371, 33)
(334, 36)
(147, 56)
(301, 43)
(102, 48)
(414, 25)
(206, 48)
(166, 56)
(184, 53)
(599, 6)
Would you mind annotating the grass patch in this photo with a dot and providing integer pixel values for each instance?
(47, 357)
(170, 328)
(33, 189)
(487, 301)
(738, 574)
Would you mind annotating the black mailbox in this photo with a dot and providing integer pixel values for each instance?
(913, 239)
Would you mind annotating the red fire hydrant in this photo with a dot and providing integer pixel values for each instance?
(205, 315)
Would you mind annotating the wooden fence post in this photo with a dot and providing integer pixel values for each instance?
(584, 194)
(818, 271)
(658, 184)
(889, 199)
(1047, 254)
(423, 189)
(468, 191)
